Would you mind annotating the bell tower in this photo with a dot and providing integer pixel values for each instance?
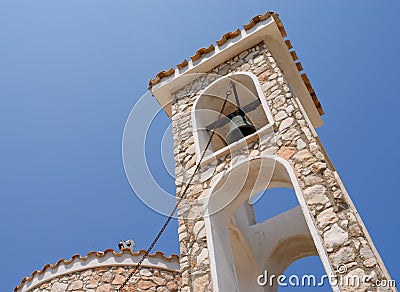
(245, 111)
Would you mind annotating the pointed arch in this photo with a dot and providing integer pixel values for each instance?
(276, 242)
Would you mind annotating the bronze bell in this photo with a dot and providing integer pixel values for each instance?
(239, 127)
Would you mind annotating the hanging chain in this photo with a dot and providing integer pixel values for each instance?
(180, 198)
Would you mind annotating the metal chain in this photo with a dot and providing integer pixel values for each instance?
(180, 198)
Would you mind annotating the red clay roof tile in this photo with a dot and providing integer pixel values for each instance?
(229, 35)
(95, 253)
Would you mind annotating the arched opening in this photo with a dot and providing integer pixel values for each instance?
(272, 202)
(245, 264)
(244, 97)
(241, 248)
(305, 274)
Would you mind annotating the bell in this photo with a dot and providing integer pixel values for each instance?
(239, 127)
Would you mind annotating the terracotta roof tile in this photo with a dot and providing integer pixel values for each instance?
(230, 35)
(161, 75)
(299, 66)
(227, 36)
(279, 23)
(288, 45)
(93, 253)
(312, 93)
(294, 55)
(182, 65)
(257, 19)
(223, 40)
(201, 52)
(306, 80)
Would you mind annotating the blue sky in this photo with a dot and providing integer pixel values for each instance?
(71, 71)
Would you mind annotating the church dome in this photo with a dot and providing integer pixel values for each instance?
(105, 272)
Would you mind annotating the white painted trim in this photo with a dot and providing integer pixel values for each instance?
(238, 144)
(95, 261)
(266, 31)
(300, 197)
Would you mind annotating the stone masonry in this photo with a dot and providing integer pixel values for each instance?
(106, 279)
(105, 272)
(338, 224)
(347, 248)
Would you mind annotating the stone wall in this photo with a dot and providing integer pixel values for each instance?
(105, 272)
(344, 236)
(107, 279)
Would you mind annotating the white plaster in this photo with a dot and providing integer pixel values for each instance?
(95, 261)
(266, 31)
(202, 116)
(265, 244)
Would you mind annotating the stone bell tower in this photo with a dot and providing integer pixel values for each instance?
(250, 78)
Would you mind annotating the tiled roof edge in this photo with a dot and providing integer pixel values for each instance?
(98, 254)
(230, 35)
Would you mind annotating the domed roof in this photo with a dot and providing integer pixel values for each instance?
(95, 259)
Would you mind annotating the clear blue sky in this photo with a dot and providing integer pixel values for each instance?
(71, 71)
